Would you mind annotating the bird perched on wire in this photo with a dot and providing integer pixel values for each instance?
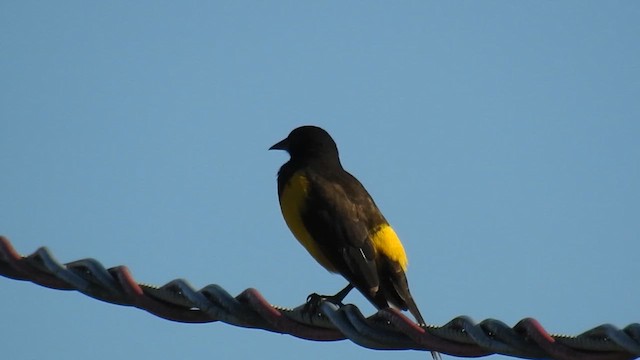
(333, 216)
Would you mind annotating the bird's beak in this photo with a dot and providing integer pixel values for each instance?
(282, 145)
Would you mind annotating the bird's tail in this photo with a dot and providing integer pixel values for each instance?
(413, 309)
(403, 299)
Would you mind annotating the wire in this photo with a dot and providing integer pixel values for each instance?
(388, 329)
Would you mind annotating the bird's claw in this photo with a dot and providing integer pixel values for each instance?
(312, 306)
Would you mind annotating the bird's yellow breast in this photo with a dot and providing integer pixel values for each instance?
(293, 200)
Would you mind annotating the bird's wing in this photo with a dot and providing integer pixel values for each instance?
(338, 216)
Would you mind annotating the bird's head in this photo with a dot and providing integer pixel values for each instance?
(308, 142)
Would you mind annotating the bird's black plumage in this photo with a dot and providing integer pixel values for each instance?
(336, 219)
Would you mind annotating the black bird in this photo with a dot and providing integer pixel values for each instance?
(333, 216)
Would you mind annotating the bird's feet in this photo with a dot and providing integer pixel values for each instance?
(312, 306)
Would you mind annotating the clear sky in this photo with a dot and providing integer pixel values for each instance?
(500, 139)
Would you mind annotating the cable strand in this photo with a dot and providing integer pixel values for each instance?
(388, 329)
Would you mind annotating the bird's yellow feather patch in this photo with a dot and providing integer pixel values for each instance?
(386, 242)
(292, 203)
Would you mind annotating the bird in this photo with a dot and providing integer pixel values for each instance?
(333, 216)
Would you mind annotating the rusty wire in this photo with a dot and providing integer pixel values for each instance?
(387, 329)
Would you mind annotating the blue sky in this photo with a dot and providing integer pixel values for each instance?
(499, 138)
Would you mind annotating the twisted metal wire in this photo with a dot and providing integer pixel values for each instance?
(387, 329)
